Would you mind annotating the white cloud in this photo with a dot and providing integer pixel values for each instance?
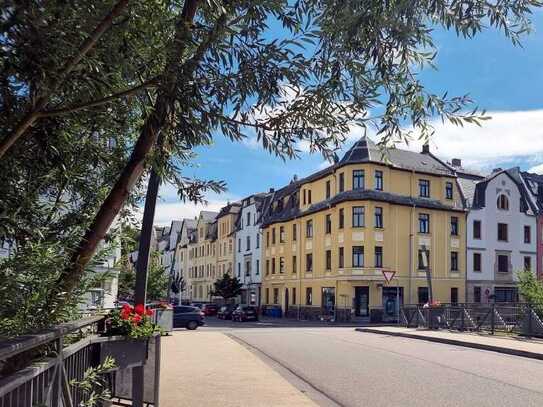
(538, 169)
(507, 137)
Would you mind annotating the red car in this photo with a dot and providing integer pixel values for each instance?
(210, 309)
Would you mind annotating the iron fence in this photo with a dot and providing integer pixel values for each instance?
(520, 318)
(47, 381)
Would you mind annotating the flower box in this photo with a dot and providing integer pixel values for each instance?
(126, 352)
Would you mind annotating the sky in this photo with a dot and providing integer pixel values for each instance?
(505, 80)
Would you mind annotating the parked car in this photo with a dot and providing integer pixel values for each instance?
(197, 305)
(225, 312)
(245, 313)
(187, 317)
(210, 309)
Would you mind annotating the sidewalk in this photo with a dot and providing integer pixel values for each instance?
(517, 346)
(203, 369)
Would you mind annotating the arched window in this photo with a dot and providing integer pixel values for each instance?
(503, 202)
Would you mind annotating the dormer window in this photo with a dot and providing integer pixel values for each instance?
(503, 203)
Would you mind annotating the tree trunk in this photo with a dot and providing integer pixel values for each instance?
(155, 122)
(38, 105)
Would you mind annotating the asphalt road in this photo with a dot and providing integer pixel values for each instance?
(362, 369)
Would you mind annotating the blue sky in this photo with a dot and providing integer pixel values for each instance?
(505, 80)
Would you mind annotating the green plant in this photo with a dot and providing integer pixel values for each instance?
(134, 322)
(531, 290)
(94, 385)
(227, 287)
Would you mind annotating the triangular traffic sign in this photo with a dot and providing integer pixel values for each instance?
(388, 275)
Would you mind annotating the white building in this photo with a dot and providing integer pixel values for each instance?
(501, 235)
(248, 265)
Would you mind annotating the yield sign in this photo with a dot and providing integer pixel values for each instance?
(388, 275)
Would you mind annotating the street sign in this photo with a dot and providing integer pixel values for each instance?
(388, 275)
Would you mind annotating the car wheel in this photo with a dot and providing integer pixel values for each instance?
(192, 325)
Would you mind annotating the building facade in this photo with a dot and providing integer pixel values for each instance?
(329, 237)
(501, 238)
(248, 238)
(182, 264)
(202, 257)
(226, 233)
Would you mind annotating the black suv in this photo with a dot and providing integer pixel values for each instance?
(187, 317)
(245, 313)
(225, 312)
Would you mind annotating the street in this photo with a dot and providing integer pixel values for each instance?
(349, 368)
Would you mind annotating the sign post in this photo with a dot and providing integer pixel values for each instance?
(389, 275)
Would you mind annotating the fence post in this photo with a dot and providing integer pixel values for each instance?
(463, 313)
(492, 319)
(529, 319)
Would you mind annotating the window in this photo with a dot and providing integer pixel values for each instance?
(503, 263)
(248, 243)
(276, 295)
(341, 258)
(527, 263)
(309, 263)
(257, 268)
(294, 295)
(267, 295)
(358, 216)
(281, 265)
(454, 261)
(309, 197)
(294, 232)
(258, 240)
(294, 265)
(304, 200)
(378, 257)
(328, 189)
(309, 296)
(422, 295)
(476, 229)
(328, 260)
(341, 218)
(273, 235)
(454, 295)
(309, 228)
(379, 180)
(328, 224)
(424, 259)
(358, 179)
(247, 268)
(358, 256)
(477, 294)
(527, 234)
(273, 265)
(268, 238)
(449, 190)
(424, 223)
(281, 234)
(502, 232)
(239, 269)
(477, 262)
(506, 294)
(248, 219)
(503, 203)
(378, 217)
(454, 226)
(424, 188)
(239, 245)
(341, 182)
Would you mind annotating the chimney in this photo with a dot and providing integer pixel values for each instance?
(426, 148)
(456, 162)
(272, 190)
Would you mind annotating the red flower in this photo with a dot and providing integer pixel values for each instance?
(127, 308)
(136, 319)
(149, 312)
(140, 309)
(125, 314)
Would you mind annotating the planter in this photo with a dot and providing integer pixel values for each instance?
(126, 352)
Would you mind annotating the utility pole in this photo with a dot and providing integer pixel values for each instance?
(141, 272)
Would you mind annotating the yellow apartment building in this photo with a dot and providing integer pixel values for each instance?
(202, 261)
(226, 228)
(329, 237)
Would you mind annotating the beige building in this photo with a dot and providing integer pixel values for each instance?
(329, 237)
(226, 228)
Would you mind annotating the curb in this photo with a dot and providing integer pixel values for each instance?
(455, 342)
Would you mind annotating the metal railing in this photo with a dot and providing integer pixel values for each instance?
(46, 378)
(520, 318)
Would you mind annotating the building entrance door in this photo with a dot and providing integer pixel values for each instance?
(286, 300)
(361, 301)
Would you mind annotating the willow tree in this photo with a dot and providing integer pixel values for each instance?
(283, 72)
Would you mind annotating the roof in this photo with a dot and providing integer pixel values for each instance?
(365, 150)
(208, 216)
(230, 209)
